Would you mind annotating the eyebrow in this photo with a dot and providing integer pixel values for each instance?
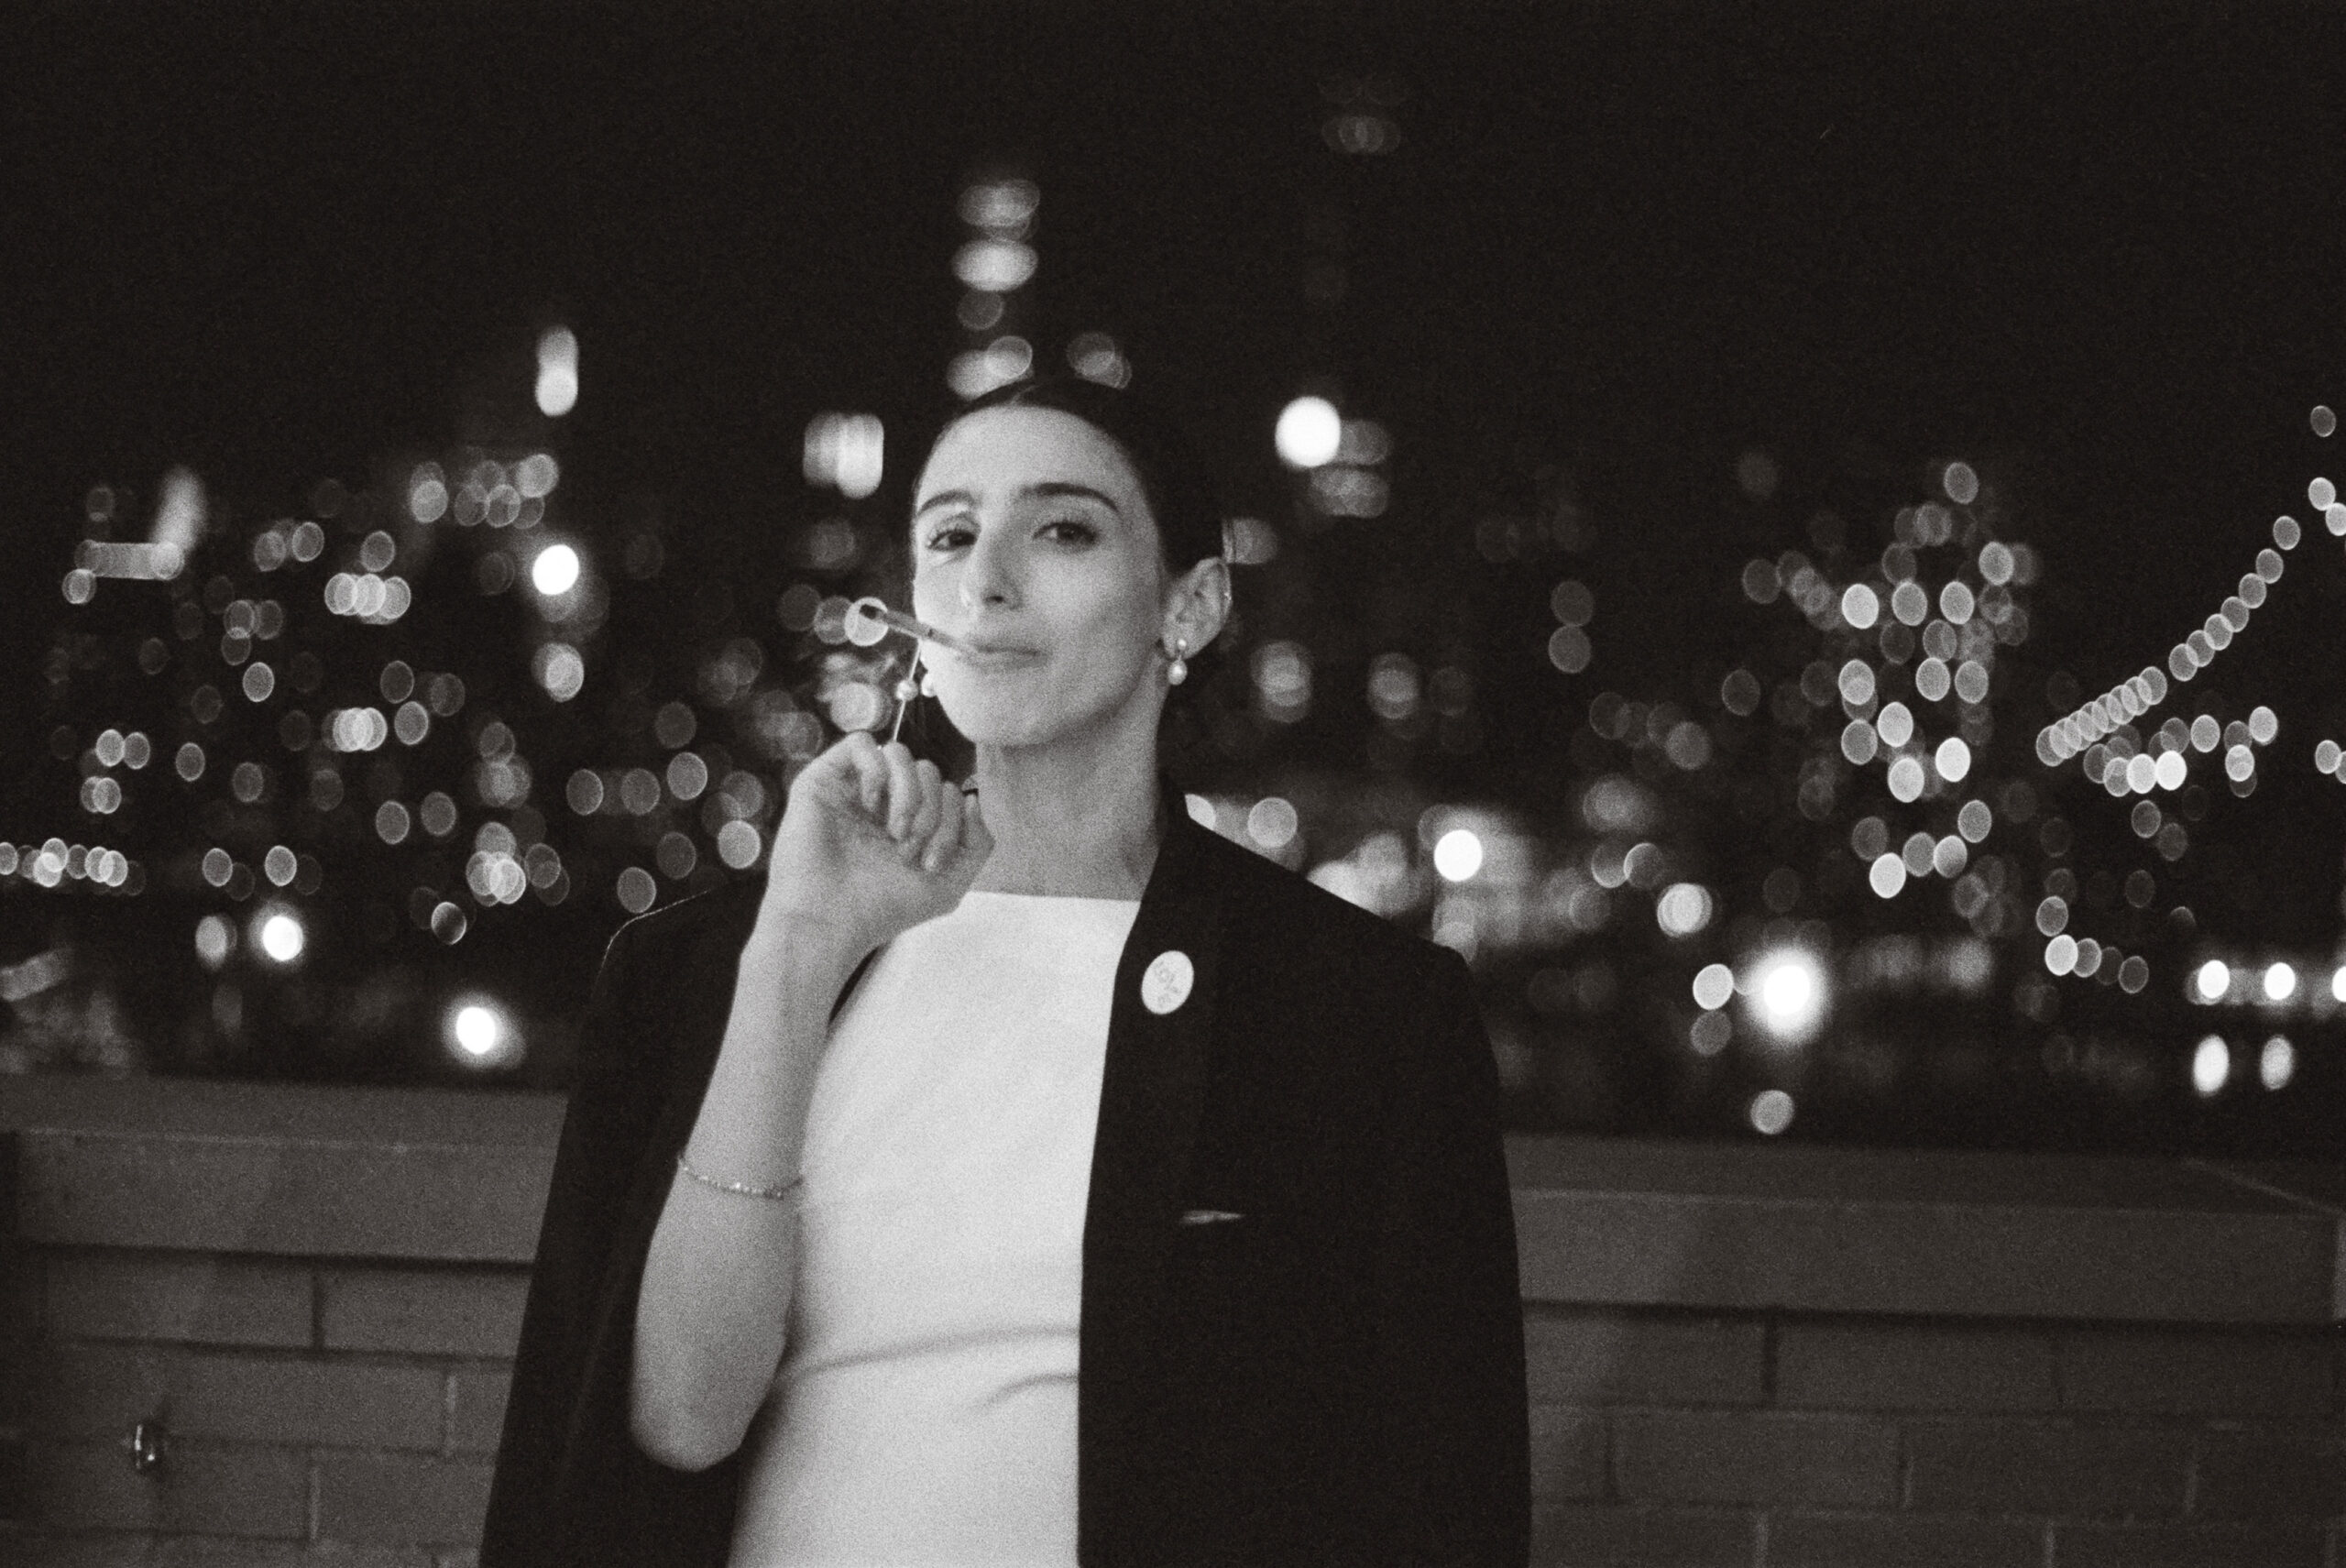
(1049, 488)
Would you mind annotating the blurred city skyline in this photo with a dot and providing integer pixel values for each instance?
(1616, 309)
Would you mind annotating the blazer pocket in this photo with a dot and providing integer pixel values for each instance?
(1214, 1258)
(1236, 1294)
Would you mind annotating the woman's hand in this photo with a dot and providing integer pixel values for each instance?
(871, 844)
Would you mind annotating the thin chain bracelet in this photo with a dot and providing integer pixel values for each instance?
(775, 1193)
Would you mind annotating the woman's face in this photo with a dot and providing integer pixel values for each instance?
(1032, 542)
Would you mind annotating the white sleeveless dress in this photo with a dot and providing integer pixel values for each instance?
(925, 1410)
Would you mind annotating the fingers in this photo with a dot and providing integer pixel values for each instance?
(976, 842)
(866, 770)
(928, 809)
(903, 788)
(933, 823)
(947, 839)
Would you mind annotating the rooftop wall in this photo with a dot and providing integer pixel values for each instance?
(1748, 1356)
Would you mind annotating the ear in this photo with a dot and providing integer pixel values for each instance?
(1196, 603)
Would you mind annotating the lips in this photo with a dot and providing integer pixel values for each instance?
(995, 655)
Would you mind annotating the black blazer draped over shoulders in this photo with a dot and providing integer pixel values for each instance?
(1335, 1376)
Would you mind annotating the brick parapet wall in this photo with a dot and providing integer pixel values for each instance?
(1785, 1438)
(1750, 1356)
(345, 1410)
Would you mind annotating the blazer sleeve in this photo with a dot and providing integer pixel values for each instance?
(570, 1486)
(1450, 1298)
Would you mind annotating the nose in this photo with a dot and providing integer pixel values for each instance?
(990, 573)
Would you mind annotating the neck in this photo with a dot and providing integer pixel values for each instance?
(1075, 819)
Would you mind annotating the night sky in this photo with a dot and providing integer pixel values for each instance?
(274, 244)
(2096, 251)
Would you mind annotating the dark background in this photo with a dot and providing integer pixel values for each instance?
(2096, 251)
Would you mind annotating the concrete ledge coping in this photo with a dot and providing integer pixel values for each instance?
(1928, 1233)
(300, 1171)
(460, 1175)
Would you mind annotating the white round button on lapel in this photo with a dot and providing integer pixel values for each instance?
(1166, 984)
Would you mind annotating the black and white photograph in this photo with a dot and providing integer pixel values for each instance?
(1001, 785)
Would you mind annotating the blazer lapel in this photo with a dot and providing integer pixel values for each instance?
(1160, 1028)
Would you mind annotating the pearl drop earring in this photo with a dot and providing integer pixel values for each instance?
(1180, 671)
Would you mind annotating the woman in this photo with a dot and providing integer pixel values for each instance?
(981, 1088)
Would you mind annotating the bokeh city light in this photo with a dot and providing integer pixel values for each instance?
(1788, 995)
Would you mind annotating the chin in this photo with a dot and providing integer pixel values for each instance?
(1003, 719)
(986, 727)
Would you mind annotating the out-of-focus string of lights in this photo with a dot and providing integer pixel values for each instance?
(2103, 736)
(2094, 721)
(2082, 732)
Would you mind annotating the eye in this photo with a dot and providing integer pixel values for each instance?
(950, 534)
(1070, 530)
